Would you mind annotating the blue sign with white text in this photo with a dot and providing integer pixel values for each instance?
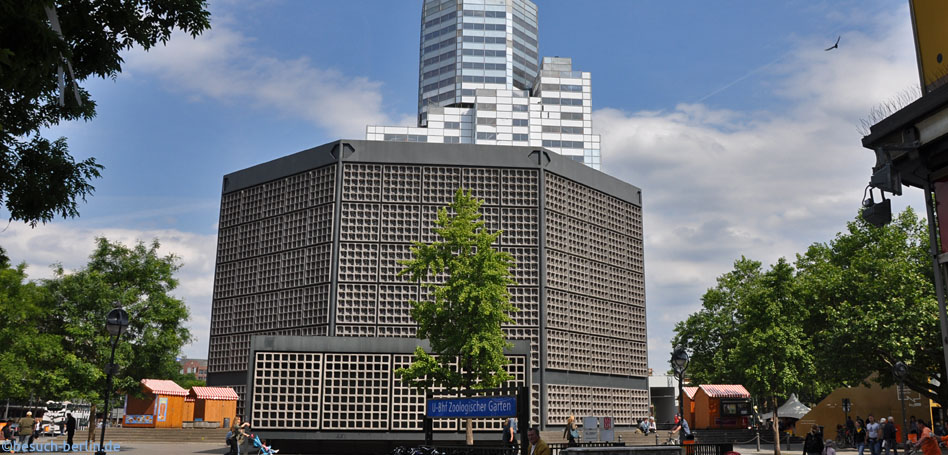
(473, 407)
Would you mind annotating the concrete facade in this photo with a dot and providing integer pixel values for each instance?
(309, 243)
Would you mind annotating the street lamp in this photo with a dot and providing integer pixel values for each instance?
(900, 370)
(679, 363)
(116, 323)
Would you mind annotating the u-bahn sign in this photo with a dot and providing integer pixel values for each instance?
(499, 406)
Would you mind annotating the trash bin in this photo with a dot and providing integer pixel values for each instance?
(226, 422)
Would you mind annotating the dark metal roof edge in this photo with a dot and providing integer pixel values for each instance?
(278, 168)
(384, 152)
(362, 345)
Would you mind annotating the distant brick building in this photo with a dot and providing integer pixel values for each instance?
(196, 366)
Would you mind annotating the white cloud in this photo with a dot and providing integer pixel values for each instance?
(719, 184)
(222, 64)
(70, 245)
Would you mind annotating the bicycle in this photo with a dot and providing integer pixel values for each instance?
(844, 438)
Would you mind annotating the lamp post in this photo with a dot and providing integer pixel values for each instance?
(679, 363)
(116, 322)
(847, 405)
(899, 370)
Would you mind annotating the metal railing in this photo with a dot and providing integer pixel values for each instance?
(556, 447)
(478, 450)
(707, 449)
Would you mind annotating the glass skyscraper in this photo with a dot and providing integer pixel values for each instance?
(468, 45)
(481, 82)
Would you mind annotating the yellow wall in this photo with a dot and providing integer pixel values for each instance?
(931, 39)
(689, 407)
(188, 414)
(216, 410)
(174, 414)
(865, 400)
(702, 410)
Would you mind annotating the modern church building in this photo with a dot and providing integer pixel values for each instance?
(310, 318)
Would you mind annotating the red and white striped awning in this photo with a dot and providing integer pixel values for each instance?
(164, 387)
(690, 391)
(725, 390)
(214, 393)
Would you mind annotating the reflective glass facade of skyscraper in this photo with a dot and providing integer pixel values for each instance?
(479, 83)
(472, 45)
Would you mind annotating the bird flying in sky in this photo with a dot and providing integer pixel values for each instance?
(834, 46)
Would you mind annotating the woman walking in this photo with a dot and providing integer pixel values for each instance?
(570, 433)
(859, 437)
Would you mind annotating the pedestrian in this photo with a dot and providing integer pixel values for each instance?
(643, 426)
(682, 428)
(829, 447)
(243, 434)
(813, 444)
(570, 433)
(873, 435)
(861, 422)
(510, 432)
(25, 429)
(652, 428)
(913, 427)
(888, 436)
(234, 437)
(537, 445)
(859, 437)
(36, 431)
(70, 429)
(8, 434)
(929, 442)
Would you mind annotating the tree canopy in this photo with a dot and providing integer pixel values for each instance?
(872, 300)
(41, 69)
(849, 308)
(466, 280)
(463, 319)
(53, 331)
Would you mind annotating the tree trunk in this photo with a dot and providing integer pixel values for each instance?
(469, 423)
(773, 402)
(6, 409)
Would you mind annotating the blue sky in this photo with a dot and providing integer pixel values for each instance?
(741, 131)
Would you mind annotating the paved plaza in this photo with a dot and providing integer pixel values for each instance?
(204, 448)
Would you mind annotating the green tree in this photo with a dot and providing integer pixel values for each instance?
(141, 281)
(467, 280)
(712, 333)
(861, 303)
(749, 331)
(26, 348)
(39, 179)
(772, 351)
(872, 303)
(188, 380)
